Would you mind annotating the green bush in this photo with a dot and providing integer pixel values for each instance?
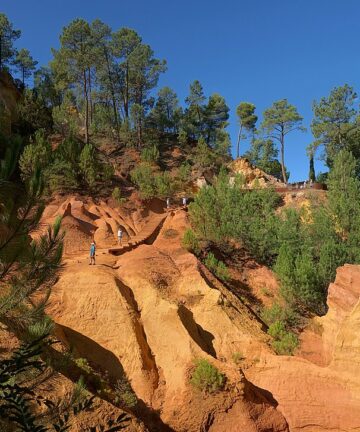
(60, 176)
(191, 242)
(207, 377)
(116, 194)
(285, 342)
(150, 154)
(226, 211)
(107, 172)
(143, 177)
(36, 155)
(217, 267)
(182, 137)
(125, 393)
(88, 164)
(164, 185)
(65, 116)
(184, 174)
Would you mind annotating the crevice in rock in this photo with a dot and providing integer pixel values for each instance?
(201, 337)
(147, 357)
(151, 239)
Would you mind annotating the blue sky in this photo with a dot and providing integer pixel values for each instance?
(257, 51)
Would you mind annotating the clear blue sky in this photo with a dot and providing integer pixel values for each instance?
(257, 51)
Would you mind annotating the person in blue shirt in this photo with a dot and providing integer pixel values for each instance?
(92, 253)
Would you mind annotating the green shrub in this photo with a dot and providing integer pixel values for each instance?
(116, 194)
(125, 393)
(88, 164)
(82, 363)
(150, 154)
(164, 185)
(207, 377)
(182, 137)
(280, 313)
(35, 155)
(107, 172)
(184, 173)
(65, 116)
(60, 176)
(285, 342)
(191, 242)
(217, 267)
(143, 177)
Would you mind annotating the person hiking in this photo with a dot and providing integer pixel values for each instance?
(167, 203)
(184, 201)
(92, 253)
(120, 236)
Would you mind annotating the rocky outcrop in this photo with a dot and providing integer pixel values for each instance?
(9, 96)
(253, 176)
(322, 394)
(147, 312)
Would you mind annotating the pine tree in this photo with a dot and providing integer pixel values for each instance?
(25, 64)
(335, 123)
(278, 121)
(7, 38)
(247, 121)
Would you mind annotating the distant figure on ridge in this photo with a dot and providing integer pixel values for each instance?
(120, 235)
(167, 203)
(184, 201)
(92, 253)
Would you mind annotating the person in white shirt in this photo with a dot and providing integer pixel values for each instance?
(120, 235)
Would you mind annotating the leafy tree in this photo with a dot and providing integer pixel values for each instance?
(88, 164)
(7, 38)
(65, 116)
(150, 154)
(25, 64)
(278, 121)
(311, 154)
(144, 74)
(203, 156)
(124, 43)
(138, 117)
(335, 124)
(247, 121)
(264, 154)
(36, 156)
(44, 87)
(194, 115)
(166, 113)
(226, 211)
(33, 113)
(182, 137)
(74, 60)
(344, 200)
(143, 177)
(106, 67)
(216, 115)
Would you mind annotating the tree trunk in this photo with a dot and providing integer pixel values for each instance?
(1, 55)
(126, 96)
(282, 139)
(90, 97)
(112, 91)
(238, 142)
(86, 108)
